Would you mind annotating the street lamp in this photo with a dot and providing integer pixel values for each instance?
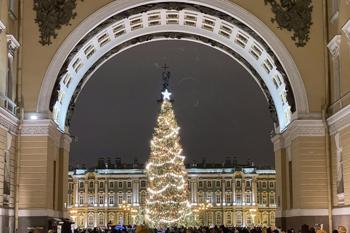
(203, 207)
(127, 208)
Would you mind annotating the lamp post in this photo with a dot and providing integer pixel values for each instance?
(126, 208)
(203, 207)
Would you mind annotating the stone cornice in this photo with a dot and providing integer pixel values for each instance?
(346, 30)
(334, 45)
(8, 121)
(298, 128)
(2, 27)
(339, 120)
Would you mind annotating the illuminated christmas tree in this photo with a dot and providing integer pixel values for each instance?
(167, 200)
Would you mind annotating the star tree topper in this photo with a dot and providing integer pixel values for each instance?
(166, 95)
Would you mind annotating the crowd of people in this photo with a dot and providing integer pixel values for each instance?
(212, 229)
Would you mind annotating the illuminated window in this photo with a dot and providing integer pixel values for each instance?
(238, 198)
(248, 198)
(200, 184)
(218, 198)
(101, 219)
(210, 218)
(238, 218)
(272, 198)
(120, 198)
(238, 183)
(81, 199)
(228, 218)
(129, 198)
(90, 220)
(228, 197)
(248, 183)
(143, 197)
(101, 199)
(209, 197)
(200, 197)
(209, 183)
(264, 198)
(111, 199)
(143, 183)
(218, 218)
(91, 199)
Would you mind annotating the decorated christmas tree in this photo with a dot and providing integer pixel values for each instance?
(167, 200)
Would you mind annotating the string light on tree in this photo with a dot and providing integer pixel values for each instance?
(167, 199)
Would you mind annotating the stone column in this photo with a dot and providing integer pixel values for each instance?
(106, 192)
(8, 150)
(254, 188)
(301, 175)
(76, 191)
(339, 129)
(43, 157)
(96, 202)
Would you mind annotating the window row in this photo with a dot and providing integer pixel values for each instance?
(228, 183)
(111, 184)
(102, 199)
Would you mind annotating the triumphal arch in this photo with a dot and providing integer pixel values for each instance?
(298, 51)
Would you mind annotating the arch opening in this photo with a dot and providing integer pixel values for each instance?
(177, 20)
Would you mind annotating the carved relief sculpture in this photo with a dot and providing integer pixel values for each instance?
(295, 16)
(51, 15)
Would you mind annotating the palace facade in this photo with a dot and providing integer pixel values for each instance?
(229, 195)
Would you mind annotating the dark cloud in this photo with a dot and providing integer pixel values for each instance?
(219, 107)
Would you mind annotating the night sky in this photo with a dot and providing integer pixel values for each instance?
(218, 105)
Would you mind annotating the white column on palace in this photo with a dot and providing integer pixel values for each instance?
(76, 192)
(254, 188)
(96, 193)
(86, 192)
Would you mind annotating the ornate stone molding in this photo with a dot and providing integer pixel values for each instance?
(12, 44)
(2, 27)
(48, 128)
(295, 16)
(51, 15)
(339, 120)
(8, 121)
(334, 45)
(346, 30)
(298, 128)
(42, 127)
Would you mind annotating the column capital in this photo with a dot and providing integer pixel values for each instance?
(298, 128)
(12, 44)
(334, 45)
